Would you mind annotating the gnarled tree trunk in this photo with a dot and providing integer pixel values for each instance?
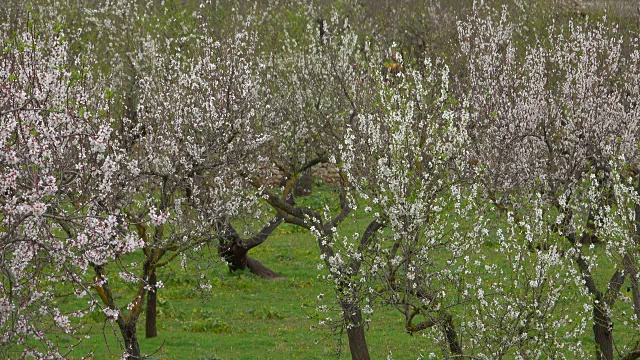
(233, 249)
(237, 259)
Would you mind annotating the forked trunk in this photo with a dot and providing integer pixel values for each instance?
(238, 259)
(127, 324)
(233, 249)
(444, 321)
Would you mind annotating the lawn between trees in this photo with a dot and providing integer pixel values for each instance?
(244, 316)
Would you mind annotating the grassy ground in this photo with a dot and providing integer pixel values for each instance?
(245, 317)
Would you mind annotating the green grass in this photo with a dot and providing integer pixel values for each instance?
(246, 317)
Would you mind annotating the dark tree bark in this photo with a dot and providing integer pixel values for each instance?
(355, 332)
(151, 327)
(602, 327)
(589, 237)
(130, 337)
(352, 312)
(451, 335)
(233, 249)
(237, 259)
(257, 268)
(631, 268)
(630, 262)
(304, 185)
(602, 324)
(126, 323)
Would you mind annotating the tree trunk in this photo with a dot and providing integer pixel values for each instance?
(452, 336)
(233, 249)
(127, 324)
(631, 268)
(602, 327)
(128, 331)
(589, 236)
(151, 327)
(602, 324)
(304, 185)
(257, 268)
(355, 332)
(238, 259)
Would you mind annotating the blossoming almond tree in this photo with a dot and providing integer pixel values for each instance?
(326, 74)
(57, 164)
(555, 123)
(409, 160)
(404, 159)
(187, 147)
(164, 175)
